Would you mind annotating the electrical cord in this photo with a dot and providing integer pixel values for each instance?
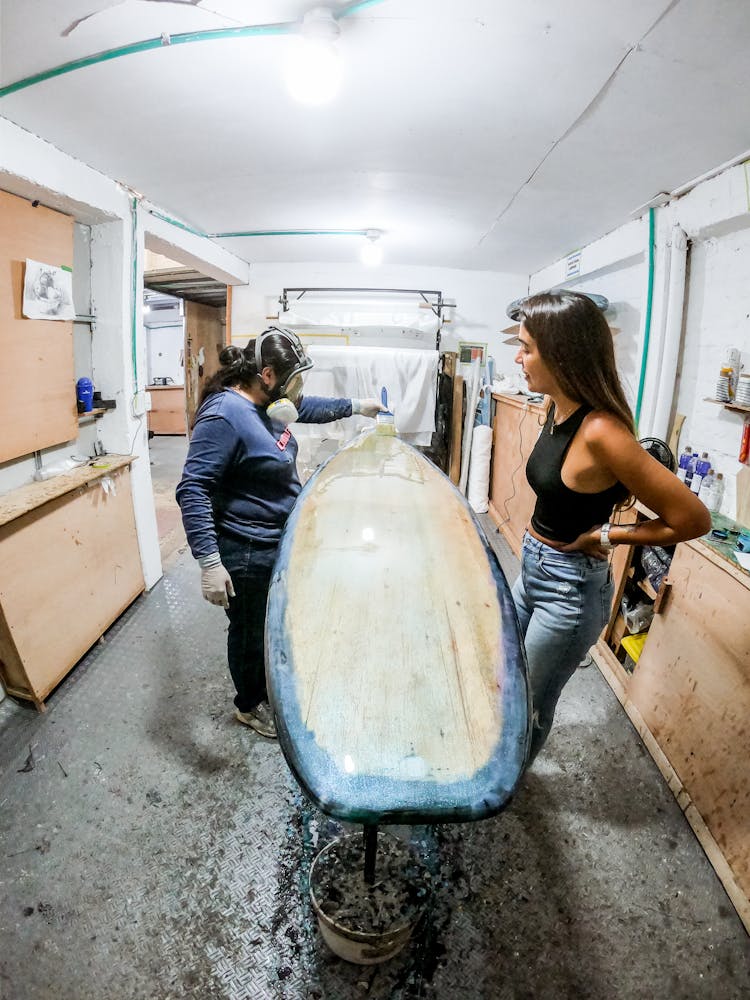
(507, 500)
(139, 418)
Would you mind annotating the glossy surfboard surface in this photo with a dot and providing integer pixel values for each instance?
(393, 656)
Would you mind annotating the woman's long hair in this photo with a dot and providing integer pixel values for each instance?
(238, 368)
(575, 342)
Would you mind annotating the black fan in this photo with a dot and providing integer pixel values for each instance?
(661, 451)
(513, 311)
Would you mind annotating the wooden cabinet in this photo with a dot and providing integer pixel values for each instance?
(515, 428)
(69, 566)
(689, 697)
(167, 413)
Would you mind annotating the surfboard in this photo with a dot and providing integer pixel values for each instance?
(394, 660)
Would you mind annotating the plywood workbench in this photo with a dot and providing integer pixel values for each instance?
(69, 566)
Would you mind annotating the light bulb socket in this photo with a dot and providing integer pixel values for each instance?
(320, 25)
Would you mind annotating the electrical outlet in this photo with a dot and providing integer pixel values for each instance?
(139, 403)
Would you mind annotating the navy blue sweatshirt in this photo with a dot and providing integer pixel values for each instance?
(240, 476)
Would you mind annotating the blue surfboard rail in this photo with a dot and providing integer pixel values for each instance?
(387, 714)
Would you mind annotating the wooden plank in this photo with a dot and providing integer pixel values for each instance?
(27, 498)
(692, 689)
(620, 563)
(203, 331)
(67, 570)
(449, 363)
(608, 666)
(674, 434)
(37, 355)
(457, 423)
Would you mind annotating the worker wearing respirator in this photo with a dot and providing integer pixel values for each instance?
(238, 488)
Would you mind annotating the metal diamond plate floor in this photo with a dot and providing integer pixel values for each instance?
(153, 848)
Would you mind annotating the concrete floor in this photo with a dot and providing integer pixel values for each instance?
(167, 456)
(153, 848)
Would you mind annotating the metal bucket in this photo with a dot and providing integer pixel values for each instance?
(363, 947)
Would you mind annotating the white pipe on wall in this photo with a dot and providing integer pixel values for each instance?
(672, 334)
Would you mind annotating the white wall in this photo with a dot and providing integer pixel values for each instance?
(615, 266)
(480, 297)
(715, 215)
(105, 281)
(717, 317)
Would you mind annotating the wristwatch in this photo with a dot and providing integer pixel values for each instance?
(604, 537)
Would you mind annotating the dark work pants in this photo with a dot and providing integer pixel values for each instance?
(250, 565)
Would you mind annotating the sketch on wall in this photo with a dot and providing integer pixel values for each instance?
(47, 291)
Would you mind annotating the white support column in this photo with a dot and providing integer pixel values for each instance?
(124, 431)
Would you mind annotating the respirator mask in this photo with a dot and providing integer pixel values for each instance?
(282, 408)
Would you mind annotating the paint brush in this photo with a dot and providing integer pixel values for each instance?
(384, 421)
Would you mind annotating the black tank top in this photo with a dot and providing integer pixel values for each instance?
(562, 514)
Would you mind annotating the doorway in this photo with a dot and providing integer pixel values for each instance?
(185, 323)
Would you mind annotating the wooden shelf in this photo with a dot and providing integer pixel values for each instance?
(92, 413)
(647, 589)
(27, 498)
(727, 406)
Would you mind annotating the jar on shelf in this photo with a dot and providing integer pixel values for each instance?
(724, 385)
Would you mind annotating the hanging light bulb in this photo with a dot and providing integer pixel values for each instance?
(372, 251)
(313, 69)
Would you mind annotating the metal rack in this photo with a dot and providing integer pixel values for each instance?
(433, 299)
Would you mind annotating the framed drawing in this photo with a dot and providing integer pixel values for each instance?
(469, 352)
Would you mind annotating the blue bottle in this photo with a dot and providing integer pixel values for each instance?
(690, 470)
(682, 465)
(702, 466)
(85, 393)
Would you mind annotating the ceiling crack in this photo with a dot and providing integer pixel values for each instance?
(182, 3)
(593, 103)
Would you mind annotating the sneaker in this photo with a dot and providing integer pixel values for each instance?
(260, 719)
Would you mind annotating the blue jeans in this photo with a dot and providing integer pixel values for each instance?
(249, 564)
(563, 602)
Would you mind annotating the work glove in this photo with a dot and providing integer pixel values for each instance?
(216, 583)
(367, 407)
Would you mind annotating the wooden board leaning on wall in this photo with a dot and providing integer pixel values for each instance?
(37, 376)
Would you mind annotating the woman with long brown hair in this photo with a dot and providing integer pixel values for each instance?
(586, 461)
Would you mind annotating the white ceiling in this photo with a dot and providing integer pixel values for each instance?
(487, 134)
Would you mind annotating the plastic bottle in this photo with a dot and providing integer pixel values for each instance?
(706, 486)
(690, 469)
(682, 465)
(716, 493)
(702, 466)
